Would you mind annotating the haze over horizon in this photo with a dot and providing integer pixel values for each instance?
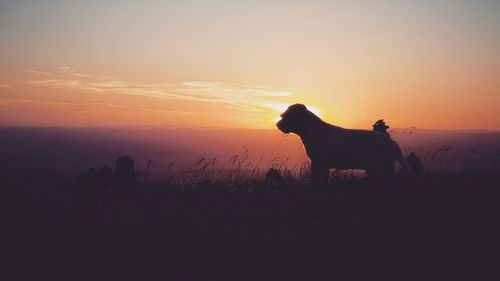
(234, 64)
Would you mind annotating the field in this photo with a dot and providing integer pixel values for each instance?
(439, 226)
(233, 223)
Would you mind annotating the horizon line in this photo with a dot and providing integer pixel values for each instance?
(217, 128)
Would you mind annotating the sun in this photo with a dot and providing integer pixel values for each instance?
(282, 107)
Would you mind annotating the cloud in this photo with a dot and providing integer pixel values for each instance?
(95, 114)
(5, 85)
(34, 71)
(69, 71)
(4, 101)
(239, 97)
(57, 83)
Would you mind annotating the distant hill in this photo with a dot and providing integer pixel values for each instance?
(173, 148)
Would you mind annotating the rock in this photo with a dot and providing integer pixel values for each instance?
(125, 181)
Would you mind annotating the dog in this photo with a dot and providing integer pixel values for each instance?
(329, 146)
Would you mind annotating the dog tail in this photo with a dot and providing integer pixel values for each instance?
(402, 162)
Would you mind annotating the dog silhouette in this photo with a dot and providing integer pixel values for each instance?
(329, 146)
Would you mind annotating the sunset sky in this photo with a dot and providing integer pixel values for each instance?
(237, 64)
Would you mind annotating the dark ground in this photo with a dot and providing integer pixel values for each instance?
(439, 227)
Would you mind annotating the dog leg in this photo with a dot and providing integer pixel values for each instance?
(319, 175)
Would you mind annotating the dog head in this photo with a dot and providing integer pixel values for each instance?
(295, 119)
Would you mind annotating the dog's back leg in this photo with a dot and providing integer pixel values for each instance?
(382, 176)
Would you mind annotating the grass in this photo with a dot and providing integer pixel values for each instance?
(223, 220)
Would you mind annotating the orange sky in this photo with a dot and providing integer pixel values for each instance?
(237, 64)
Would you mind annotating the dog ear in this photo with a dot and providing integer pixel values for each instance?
(298, 107)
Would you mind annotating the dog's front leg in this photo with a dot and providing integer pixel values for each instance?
(319, 174)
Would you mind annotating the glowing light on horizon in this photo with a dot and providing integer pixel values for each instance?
(282, 107)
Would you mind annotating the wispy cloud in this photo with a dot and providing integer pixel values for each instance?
(241, 97)
(79, 113)
(5, 85)
(80, 105)
(34, 71)
(69, 71)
